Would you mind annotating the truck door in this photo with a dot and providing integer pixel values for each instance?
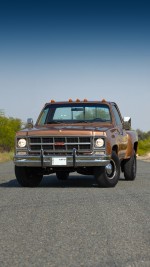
(121, 135)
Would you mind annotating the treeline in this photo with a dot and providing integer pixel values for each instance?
(8, 129)
(143, 135)
(144, 142)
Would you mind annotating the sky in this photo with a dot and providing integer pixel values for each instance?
(75, 49)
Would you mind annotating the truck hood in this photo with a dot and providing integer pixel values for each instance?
(62, 130)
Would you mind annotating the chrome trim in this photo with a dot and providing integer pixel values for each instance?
(77, 161)
(60, 144)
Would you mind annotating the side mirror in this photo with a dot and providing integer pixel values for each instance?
(127, 123)
(30, 123)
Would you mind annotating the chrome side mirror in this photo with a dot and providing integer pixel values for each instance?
(30, 123)
(127, 123)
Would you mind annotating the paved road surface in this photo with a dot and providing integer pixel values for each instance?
(74, 223)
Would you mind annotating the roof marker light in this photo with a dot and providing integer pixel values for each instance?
(70, 100)
(77, 100)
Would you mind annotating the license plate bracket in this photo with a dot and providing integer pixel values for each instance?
(59, 161)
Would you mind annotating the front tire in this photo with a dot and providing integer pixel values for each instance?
(62, 175)
(27, 177)
(109, 175)
(129, 168)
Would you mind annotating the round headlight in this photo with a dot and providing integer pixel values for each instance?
(99, 142)
(22, 142)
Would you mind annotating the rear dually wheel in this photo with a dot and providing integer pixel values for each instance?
(129, 168)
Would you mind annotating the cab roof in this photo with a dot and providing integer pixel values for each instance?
(103, 101)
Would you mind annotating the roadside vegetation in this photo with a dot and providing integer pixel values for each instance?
(6, 156)
(144, 143)
(144, 147)
(9, 127)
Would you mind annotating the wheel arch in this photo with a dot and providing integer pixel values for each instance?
(115, 149)
(136, 147)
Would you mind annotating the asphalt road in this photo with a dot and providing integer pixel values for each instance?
(74, 223)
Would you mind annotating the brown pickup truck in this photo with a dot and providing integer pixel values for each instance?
(88, 137)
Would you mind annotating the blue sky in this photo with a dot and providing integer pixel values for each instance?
(75, 49)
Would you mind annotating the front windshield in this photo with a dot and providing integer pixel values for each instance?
(74, 113)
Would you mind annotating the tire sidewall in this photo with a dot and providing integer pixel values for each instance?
(26, 178)
(102, 176)
(130, 168)
(113, 180)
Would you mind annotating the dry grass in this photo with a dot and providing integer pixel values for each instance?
(145, 157)
(6, 156)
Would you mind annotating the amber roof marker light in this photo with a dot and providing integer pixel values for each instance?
(52, 101)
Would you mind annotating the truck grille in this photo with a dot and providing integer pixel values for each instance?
(58, 145)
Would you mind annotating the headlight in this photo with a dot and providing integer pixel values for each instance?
(22, 142)
(99, 142)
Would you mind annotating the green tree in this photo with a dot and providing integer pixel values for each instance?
(8, 129)
(143, 135)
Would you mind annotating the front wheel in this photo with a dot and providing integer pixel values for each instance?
(108, 176)
(28, 177)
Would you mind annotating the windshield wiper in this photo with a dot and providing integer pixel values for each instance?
(98, 120)
(79, 121)
(54, 121)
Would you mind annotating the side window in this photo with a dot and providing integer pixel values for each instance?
(43, 117)
(117, 116)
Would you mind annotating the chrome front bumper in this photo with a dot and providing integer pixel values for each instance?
(61, 161)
